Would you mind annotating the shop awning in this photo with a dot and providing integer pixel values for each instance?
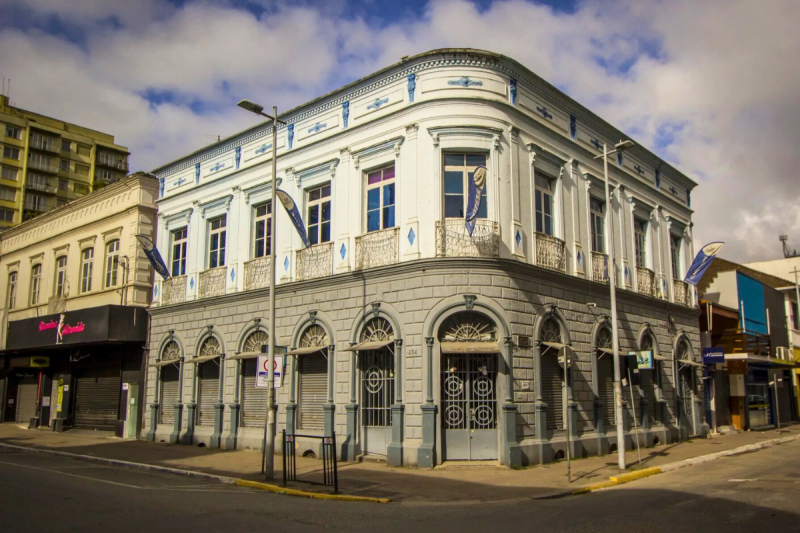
(159, 364)
(243, 355)
(555, 345)
(203, 359)
(470, 347)
(606, 350)
(660, 358)
(306, 350)
(690, 362)
(368, 345)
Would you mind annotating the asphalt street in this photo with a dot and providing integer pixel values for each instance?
(748, 493)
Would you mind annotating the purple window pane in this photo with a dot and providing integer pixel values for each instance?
(388, 173)
(374, 177)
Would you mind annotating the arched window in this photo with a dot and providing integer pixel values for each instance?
(686, 379)
(649, 378)
(468, 327)
(170, 384)
(112, 263)
(254, 399)
(605, 376)
(377, 378)
(313, 376)
(552, 381)
(208, 381)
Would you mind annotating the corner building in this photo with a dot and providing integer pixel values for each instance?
(407, 336)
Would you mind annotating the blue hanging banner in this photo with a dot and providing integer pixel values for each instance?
(475, 191)
(294, 214)
(701, 262)
(153, 256)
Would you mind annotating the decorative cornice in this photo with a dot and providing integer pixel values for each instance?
(322, 168)
(261, 188)
(375, 149)
(214, 204)
(177, 218)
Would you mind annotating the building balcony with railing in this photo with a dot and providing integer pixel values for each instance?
(173, 290)
(645, 281)
(550, 252)
(453, 239)
(256, 273)
(377, 248)
(314, 262)
(47, 166)
(38, 185)
(681, 292)
(212, 282)
(111, 161)
(45, 146)
(599, 267)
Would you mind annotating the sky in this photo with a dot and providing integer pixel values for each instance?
(711, 86)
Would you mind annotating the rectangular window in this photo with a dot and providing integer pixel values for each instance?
(9, 173)
(216, 242)
(458, 173)
(640, 234)
(12, 290)
(10, 153)
(61, 275)
(35, 202)
(41, 142)
(65, 165)
(6, 215)
(40, 161)
(544, 205)
(36, 283)
(63, 184)
(106, 175)
(112, 263)
(380, 199)
(84, 150)
(179, 252)
(8, 194)
(13, 132)
(319, 214)
(262, 230)
(83, 170)
(80, 188)
(675, 255)
(65, 146)
(87, 266)
(597, 214)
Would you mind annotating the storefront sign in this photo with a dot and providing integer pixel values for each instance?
(40, 362)
(644, 360)
(262, 378)
(713, 356)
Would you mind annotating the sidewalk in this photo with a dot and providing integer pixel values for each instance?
(454, 482)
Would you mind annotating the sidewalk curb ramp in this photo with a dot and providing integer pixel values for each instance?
(196, 475)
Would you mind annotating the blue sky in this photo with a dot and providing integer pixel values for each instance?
(710, 86)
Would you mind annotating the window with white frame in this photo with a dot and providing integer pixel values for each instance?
(87, 266)
(597, 217)
(12, 290)
(675, 255)
(61, 275)
(216, 242)
(319, 214)
(640, 241)
(13, 132)
(9, 173)
(10, 153)
(112, 263)
(543, 198)
(262, 230)
(179, 242)
(36, 283)
(381, 199)
(41, 142)
(459, 171)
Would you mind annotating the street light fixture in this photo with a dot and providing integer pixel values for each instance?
(612, 271)
(269, 427)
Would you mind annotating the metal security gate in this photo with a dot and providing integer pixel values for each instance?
(313, 390)
(377, 394)
(605, 386)
(170, 393)
(207, 392)
(254, 400)
(97, 392)
(722, 398)
(649, 391)
(553, 390)
(469, 406)
(685, 398)
(26, 400)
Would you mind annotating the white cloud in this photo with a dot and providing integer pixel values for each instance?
(720, 76)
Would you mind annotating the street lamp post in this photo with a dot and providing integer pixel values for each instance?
(612, 271)
(269, 427)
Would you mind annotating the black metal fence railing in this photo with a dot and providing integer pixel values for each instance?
(330, 468)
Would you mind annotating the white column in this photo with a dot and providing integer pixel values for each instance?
(515, 223)
(408, 195)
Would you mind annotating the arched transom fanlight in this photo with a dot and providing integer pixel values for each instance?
(255, 341)
(647, 342)
(377, 329)
(468, 327)
(210, 346)
(683, 350)
(171, 351)
(314, 336)
(551, 331)
(604, 339)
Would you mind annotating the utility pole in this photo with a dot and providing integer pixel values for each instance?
(269, 439)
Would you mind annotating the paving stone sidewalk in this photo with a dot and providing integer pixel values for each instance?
(454, 482)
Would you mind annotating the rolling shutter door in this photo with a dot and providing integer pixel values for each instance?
(26, 400)
(605, 382)
(313, 390)
(2, 392)
(54, 401)
(170, 389)
(97, 399)
(552, 391)
(649, 391)
(254, 400)
(208, 392)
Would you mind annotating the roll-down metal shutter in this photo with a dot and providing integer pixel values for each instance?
(97, 393)
(2, 392)
(649, 391)
(170, 392)
(313, 390)
(26, 400)
(552, 390)
(605, 383)
(54, 401)
(722, 398)
(207, 392)
(254, 400)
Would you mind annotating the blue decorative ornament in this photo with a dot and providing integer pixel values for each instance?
(512, 89)
(191, 283)
(412, 85)
(160, 187)
(639, 170)
(286, 263)
(545, 113)
(291, 135)
(411, 236)
(518, 238)
(317, 127)
(627, 274)
(237, 156)
(573, 126)
(658, 179)
(197, 173)
(673, 190)
(179, 182)
(263, 149)
(233, 274)
(155, 290)
(580, 258)
(378, 103)
(218, 166)
(343, 251)
(595, 143)
(619, 158)
(345, 112)
(465, 81)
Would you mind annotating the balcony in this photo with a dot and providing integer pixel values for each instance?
(41, 165)
(173, 290)
(112, 162)
(550, 252)
(735, 342)
(212, 282)
(452, 239)
(377, 248)
(45, 146)
(645, 281)
(599, 269)
(41, 187)
(256, 273)
(314, 262)
(680, 291)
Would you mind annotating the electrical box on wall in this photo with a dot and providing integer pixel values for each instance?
(737, 384)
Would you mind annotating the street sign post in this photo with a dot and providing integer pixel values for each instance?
(262, 368)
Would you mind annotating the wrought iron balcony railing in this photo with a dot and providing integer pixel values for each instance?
(680, 291)
(212, 282)
(256, 273)
(377, 248)
(599, 268)
(314, 262)
(173, 290)
(550, 252)
(452, 239)
(645, 281)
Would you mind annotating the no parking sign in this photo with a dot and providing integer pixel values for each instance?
(262, 370)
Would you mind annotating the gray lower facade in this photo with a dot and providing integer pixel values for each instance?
(428, 361)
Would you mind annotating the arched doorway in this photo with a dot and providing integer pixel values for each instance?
(553, 387)
(254, 399)
(313, 377)
(208, 377)
(469, 362)
(376, 368)
(685, 386)
(649, 379)
(605, 378)
(169, 395)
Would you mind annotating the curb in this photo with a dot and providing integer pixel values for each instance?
(227, 480)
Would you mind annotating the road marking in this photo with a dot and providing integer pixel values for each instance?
(742, 480)
(73, 475)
